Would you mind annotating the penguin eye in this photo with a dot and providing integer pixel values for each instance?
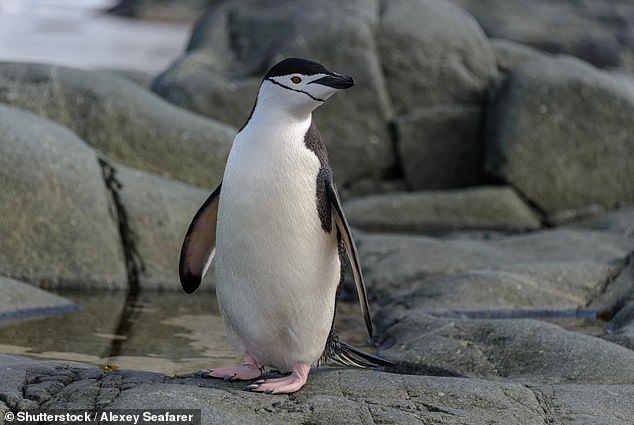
(296, 80)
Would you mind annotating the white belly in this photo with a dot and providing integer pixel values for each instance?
(277, 270)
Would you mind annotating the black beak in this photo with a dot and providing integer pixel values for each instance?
(337, 81)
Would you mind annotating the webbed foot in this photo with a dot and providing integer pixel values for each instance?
(249, 369)
(284, 385)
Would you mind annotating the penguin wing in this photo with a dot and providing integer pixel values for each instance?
(351, 250)
(199, 245)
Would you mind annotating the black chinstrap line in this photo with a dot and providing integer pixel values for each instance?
(299, 91)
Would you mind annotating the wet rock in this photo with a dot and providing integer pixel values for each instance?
(158, 213)
(596, 31)
(448, 59)
(19, 300)
(56, 227)
(488, 208)
(558, 131)
(441, 147)
(122, 120)
(360, 145)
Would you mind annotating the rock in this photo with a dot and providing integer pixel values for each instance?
(480, 208)
(509, 54)
(558, 131)
(448, 59)
(332, 395)
(620, 222)
(219, 77)
(520, 350)
(178, 11)
(596, 31)
(621, 328)
(192, 83)
(158, 213)
(19, 300)
(441, 147)
(395, 262)
(56, 228)
(122, 120)
(533, 289)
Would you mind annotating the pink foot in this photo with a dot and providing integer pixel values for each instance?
(250, 369)
(285, 385)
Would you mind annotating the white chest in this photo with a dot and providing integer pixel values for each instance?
(277, 270)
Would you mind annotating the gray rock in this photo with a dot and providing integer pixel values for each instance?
(165, 10)
(239, 40)
(620, 222)
(331, 395)
(493, 208)
(192, 83)
(394, 262)
(441, 147)
(596, 31)
(522, 350)
(56, 227)
(158, 214)
(558, 131)
(533, 289)
(122, 120)
(509, 54)
(447, 60)
(19, 300)
(621, 328)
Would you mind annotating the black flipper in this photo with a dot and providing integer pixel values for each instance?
(351, 250)
(199, 245)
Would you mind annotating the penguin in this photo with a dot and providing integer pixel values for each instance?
(278, 233)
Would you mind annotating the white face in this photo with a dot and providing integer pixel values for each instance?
(299, 93)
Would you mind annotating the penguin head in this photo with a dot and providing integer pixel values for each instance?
(300, 86)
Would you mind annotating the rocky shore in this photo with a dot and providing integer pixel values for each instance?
(486, 168)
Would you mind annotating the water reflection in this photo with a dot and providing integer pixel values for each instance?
(171, 333)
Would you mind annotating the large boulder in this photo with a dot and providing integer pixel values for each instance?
(560, 132)
(433, 53)
(122, 120)
(437, 86)
(433, 212)
(56, 228)
(598, 31)
(441, 147)
(220, 76)
(234, 43)
(158, 212)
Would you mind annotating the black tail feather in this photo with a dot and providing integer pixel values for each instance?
(347, 355)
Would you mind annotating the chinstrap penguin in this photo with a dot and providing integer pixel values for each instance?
(278, 234)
